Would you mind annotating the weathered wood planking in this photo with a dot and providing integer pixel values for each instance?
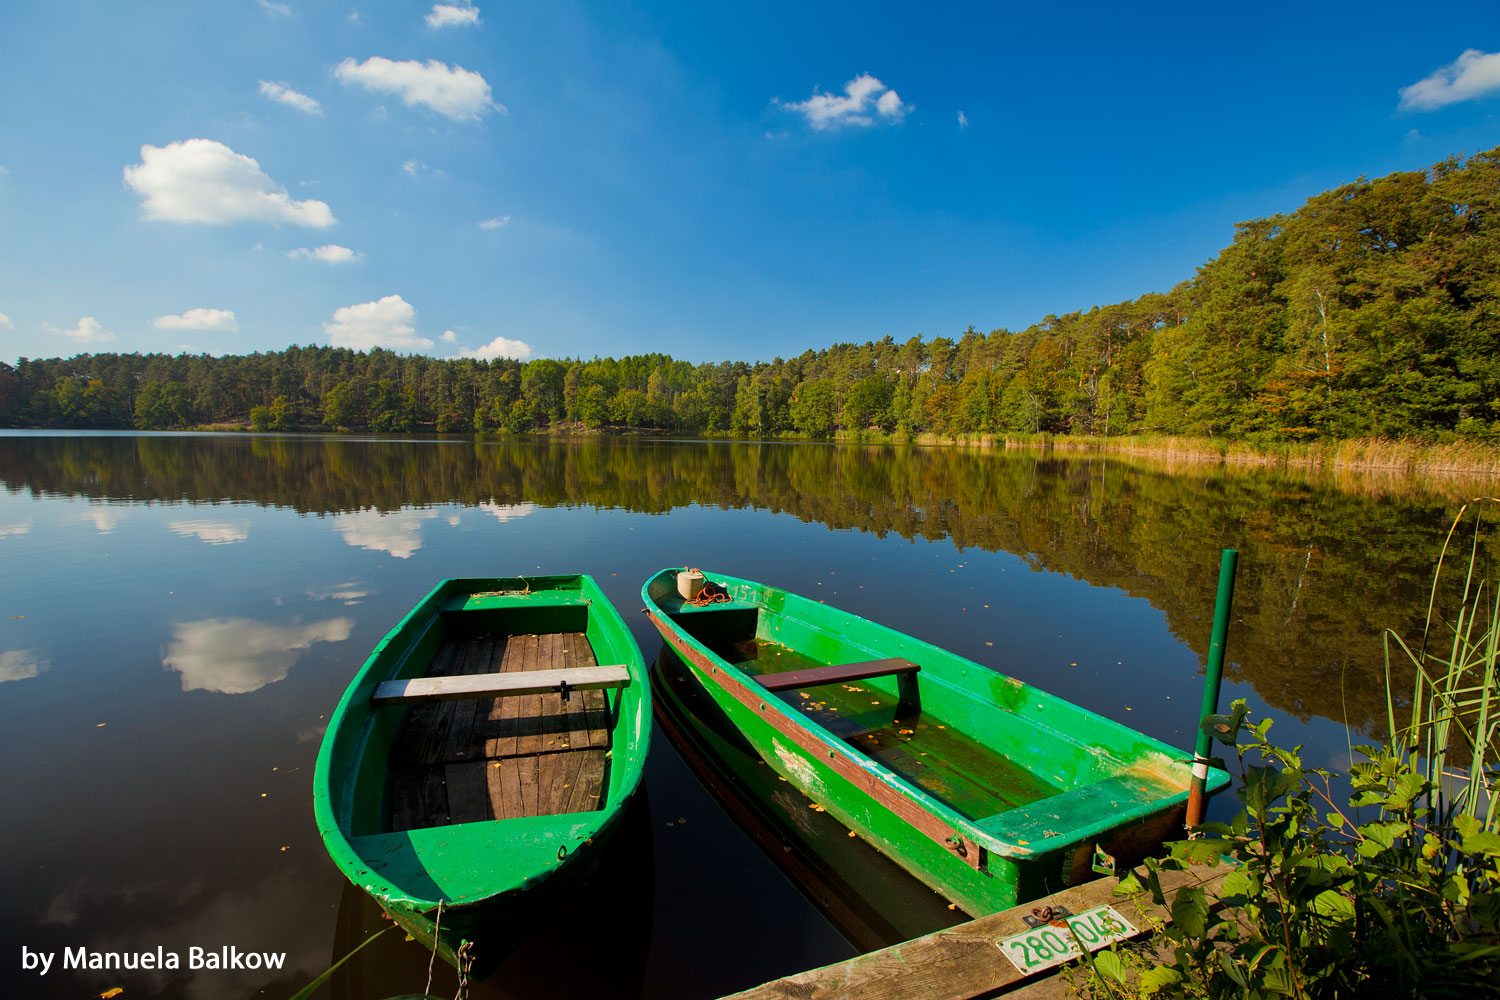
(524, 754)
(965, 962)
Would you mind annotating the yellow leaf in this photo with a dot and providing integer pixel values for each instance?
(113, 991)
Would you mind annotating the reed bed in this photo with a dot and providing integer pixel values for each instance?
(1450, 727)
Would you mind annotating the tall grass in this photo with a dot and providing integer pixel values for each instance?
(1452, 735)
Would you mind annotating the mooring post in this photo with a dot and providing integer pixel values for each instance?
(1197, 795)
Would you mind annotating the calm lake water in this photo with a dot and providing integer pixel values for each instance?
(179, 613)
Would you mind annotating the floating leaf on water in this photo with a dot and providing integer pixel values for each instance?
(113, 991)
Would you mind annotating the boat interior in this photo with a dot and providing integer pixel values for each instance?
(463, 761)
(477, 725)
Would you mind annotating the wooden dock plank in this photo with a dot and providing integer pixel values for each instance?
(964, 962)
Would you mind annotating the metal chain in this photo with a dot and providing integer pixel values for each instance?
(465, 966)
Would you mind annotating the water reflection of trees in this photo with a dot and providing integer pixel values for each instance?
(1323, 570)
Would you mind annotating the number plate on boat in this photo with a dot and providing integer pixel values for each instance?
(1048, 945)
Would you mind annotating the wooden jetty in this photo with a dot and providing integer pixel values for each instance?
(965, 962)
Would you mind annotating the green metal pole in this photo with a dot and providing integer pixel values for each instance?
(1197, 797)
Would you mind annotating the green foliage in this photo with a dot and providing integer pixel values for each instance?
(1324, 900)
(1399, 886)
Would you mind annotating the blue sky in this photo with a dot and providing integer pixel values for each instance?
(714, 181)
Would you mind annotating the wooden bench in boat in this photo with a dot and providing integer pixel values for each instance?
(840, 673)
(843, 673)
(518, 682)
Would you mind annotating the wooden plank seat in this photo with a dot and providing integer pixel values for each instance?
(841, 673)
(464, 687)
(908, 701)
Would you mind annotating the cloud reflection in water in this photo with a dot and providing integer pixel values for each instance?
(238, 655)
(398, 533)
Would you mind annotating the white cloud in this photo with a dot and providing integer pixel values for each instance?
(963, 121)
(19, 528)
(829, 111)
(447, 15)
(330, 254)
(19, 664)
(1471, 75)
(200, 180)
(495, 223)
(383, 323)
(282, 94)
(398, 533)
(413, 167)
(275, 8)
(452, 91)
(215, 320)
(499, 348)
(237, 655)
(88, 331)
(449, 337)
(5, 322)
(212, 532)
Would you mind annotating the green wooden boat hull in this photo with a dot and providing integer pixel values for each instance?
(995, 793)
(871, 900)
(480, 872)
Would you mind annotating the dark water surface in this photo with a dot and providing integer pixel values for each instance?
(179, 613)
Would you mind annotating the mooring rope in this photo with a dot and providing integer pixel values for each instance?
(437, 926)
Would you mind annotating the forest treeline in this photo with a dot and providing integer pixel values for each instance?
(1374, 310)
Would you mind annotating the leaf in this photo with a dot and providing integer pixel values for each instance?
(312, 987)
(1204, 850)
(1333, 906)
(1239, 883)
(1482, 843)
(113, 991)
(1190, 910)
(1108, 963)
(1484, 910)
(1159, 978)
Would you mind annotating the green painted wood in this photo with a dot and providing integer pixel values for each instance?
(473, 869)
(989, 790)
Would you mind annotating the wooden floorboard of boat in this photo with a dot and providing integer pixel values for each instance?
(479, 759)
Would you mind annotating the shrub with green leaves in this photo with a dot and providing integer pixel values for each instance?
(1320, 902)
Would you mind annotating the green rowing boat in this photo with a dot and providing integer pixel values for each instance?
(488, 743)
(987, 789)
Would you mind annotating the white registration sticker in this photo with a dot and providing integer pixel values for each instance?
(1048, 945)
